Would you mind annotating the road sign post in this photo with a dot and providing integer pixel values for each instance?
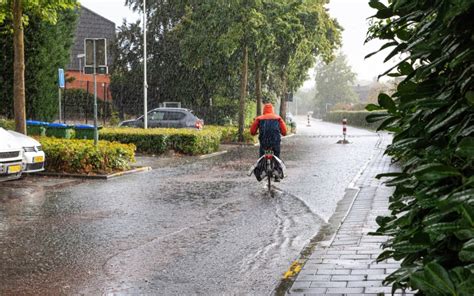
(61, 84)
(95, 63)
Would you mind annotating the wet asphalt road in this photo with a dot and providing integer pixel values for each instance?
(189, 227)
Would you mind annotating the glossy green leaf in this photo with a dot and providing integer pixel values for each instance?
(435, 171)
(373, 107)
(470, 97)
(437, 275)
(375, 117)
(405, 68)
(419, 281)
(467, 252)
(386, 102)
(466, 147)
(377, 4)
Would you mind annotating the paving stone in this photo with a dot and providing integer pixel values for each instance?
(327, 284)
(367, 271)
(315, 278)
(356, 277)
(307, 291)
(333, 271)
(345, 290)
(380, 289)
(364, 284)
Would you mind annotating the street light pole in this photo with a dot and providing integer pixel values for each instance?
(96, 131)
(145, 84)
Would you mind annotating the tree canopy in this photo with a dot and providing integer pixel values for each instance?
(334, 83)
(207, 49)
(14, 15)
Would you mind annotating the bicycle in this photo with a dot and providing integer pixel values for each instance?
(268, 166)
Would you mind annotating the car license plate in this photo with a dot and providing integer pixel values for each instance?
(13, 169)
(37, 159)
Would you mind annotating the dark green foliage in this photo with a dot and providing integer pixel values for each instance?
(354, 118)
(195, 50)
(432, 115)
(160, 140)
(46, 49)
(78, 104)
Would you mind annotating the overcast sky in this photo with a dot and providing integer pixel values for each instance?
(351, 14)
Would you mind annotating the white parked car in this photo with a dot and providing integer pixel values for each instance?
(11, 157)
(33, 155)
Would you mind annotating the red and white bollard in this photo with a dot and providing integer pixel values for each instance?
(344, 132)
(344, 128)
(310, 113)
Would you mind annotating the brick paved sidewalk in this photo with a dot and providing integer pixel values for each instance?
(347, 266)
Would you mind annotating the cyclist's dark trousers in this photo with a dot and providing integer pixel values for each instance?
(275, 147)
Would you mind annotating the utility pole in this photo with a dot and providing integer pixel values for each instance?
(145, 83)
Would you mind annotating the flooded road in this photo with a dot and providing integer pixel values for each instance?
(190, 227)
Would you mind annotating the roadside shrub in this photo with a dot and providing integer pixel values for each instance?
(354, 118)
(159, 140)
(147, 141)
(230, 134)
(431, 226)
(81, 156)
(7, 124)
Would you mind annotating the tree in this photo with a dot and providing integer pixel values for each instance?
(46, 10)
(214, 49)
(218, 30)
(334, 83)
(46, 49)
(303, 30)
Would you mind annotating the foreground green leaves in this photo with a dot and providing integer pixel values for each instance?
(432, 116)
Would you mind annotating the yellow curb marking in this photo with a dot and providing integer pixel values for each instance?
(294, 269)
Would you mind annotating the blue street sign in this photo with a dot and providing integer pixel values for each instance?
(61, 78)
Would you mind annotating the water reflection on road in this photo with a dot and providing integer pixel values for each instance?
(190, 227)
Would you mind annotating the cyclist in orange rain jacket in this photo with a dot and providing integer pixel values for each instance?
(270, 127)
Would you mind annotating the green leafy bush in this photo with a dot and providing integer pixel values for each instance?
(432, 115)
(7, 124)
(230, 134)
(81, 156)
(354, 118)
(159, 140)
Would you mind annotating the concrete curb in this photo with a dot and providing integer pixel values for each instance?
(95, 177)
(210, 155)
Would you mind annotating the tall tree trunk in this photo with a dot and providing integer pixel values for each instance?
(19, 69)
(258, 86)
(284, 94)
(243, 92)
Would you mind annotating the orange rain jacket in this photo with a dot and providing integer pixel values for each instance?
(270, 126)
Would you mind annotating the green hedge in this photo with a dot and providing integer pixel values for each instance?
(431, 114)
(81, 156)
(159, 140)
(354, 118)
(230, 134)
(7, 124)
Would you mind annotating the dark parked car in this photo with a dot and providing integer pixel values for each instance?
(167, 117)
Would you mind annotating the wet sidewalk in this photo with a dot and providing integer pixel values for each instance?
(347, 265)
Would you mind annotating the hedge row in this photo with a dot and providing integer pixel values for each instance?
(159, 140)
(81, 156)
(7, 124)
(354, 118)
(230, 134)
